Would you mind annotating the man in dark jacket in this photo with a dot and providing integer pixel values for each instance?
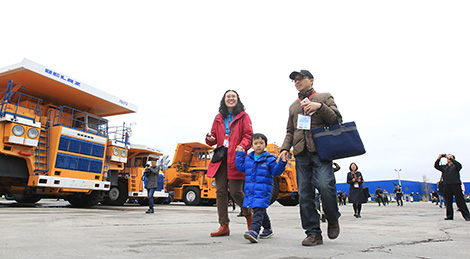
(151, 173)
(452, 186)
(312, 110)
(379, 196)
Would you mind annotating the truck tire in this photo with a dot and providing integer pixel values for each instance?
(275, 192)
(9, 197)
(30, 198)
(117, 195)
(80, 200)
(192, 196)
(143, 201)
(289, 201)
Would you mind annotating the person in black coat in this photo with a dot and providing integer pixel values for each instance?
(356, 194)
(452, 186)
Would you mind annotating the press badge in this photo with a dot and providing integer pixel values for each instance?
(226, 140)
(303, 122)
(356, 185)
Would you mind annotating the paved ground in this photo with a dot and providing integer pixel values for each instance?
(52, 229)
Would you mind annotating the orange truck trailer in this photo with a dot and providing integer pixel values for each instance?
(284, 186)
(55, 140)
(186, 178)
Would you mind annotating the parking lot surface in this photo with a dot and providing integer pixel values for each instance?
(53, 229)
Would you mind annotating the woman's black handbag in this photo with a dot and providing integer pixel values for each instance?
(338, 141)
(219, 154)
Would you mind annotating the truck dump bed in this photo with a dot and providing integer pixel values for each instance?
(57, 88)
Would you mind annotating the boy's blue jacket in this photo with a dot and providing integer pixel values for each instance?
(258, 177)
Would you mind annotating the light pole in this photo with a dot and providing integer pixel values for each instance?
(398, 172)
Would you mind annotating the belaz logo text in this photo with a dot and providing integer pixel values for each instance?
(63, 77)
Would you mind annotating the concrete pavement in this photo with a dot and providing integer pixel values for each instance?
(52, 229)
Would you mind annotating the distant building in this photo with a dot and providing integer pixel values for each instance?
(420, 189)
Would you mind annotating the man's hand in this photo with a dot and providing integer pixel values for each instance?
(284, 155)
(311, 106)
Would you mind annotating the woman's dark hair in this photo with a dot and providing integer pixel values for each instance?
(259, 136)
(236, 110)
(357, 168)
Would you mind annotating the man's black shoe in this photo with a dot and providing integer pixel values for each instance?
(333, 229)
(448, 218)
(312, 240)
(149, 211)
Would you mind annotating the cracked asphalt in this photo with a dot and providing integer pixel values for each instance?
(52, 229)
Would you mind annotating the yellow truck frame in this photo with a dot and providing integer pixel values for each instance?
(55, 140)
(285, 189)
(186, 179)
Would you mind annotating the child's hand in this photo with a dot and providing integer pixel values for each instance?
(283, 159)
(240, 148)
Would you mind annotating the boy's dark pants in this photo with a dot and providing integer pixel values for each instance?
(260, 219)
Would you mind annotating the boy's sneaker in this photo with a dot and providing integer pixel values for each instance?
(267, 233)
(252, 236)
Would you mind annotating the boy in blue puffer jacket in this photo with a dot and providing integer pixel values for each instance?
(259, 166)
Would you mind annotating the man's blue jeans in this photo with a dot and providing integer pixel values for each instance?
(150, 197)
(315, 174)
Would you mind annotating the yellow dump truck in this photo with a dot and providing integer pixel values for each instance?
(54, 137)
(284, 186)
(186, 178)
(129, 181)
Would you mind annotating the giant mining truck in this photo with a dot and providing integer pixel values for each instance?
(187, 180)
(55, 140)
(284, 186)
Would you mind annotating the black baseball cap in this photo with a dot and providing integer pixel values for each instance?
(302, 73)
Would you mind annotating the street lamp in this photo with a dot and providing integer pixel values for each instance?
(398, 172)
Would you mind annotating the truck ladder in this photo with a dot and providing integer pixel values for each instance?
(42, 151)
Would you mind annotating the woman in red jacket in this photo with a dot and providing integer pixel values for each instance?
(231, 128)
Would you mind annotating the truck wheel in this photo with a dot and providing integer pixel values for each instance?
(21, 198)
(117, 195)
(192, 196)
(159, 200)
(143, 201)
(9, 196)
(293, 201)
(275, 192)
(80, 200)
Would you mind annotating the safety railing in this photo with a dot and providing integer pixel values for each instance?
(19, 104)
(120, 133)
(74, 118)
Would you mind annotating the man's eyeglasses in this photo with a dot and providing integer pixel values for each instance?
(299, 78)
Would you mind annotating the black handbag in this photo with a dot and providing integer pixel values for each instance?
(219, 154)
(338, 141)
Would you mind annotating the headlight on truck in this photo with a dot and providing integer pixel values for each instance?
(115, 151)
(33, 133)
(18, 130)
(123, 153)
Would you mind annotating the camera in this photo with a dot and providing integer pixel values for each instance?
(443, 155)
